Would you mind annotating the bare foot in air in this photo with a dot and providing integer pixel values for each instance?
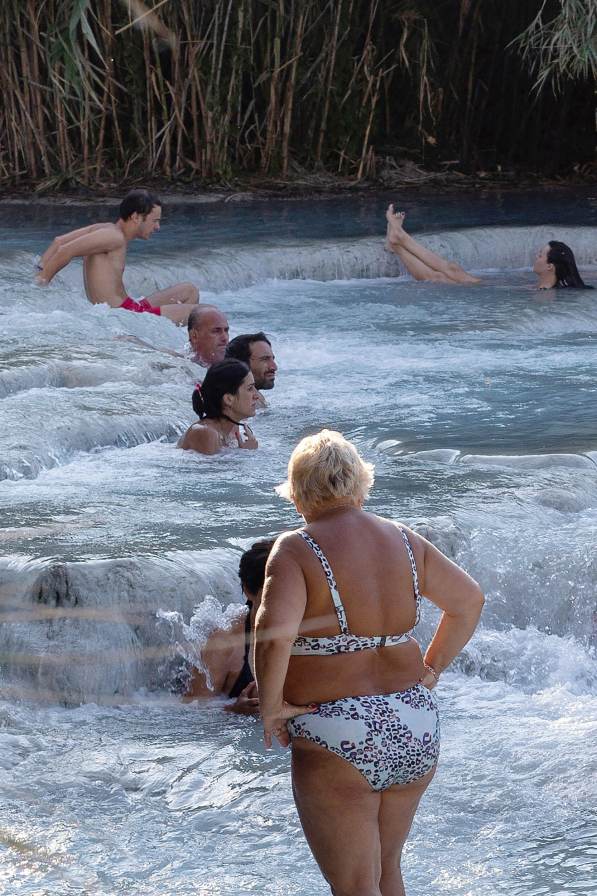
(394, 231)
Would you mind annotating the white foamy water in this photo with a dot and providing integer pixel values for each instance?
(119, 553)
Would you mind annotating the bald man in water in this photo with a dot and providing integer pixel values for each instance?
(208, 334)
(208, 337)
(103, 248)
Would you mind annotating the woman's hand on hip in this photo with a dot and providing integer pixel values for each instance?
(274, 724)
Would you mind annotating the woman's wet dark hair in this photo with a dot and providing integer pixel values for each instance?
(222, 378)
(562, 258)
(251, 569)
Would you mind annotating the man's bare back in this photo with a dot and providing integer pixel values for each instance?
(103, 249)
(103, 273)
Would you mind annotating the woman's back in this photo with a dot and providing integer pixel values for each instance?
(373, 573)
(372, 568)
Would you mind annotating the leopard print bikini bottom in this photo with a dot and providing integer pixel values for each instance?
(389, 738)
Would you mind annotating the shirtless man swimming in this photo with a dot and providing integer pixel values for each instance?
(103, 248)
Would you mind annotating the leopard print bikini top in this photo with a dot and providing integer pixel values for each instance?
(345, 642)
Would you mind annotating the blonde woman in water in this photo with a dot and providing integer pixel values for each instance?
(340, 676)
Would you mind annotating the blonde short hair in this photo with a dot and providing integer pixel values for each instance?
(323, 467)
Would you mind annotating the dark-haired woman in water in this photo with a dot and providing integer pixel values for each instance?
(226, 398)
(554, 265)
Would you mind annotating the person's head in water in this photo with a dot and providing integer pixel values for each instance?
(228, 390)
(555, 262)
(255, 349)
(208, 334)
(251, 569)
(144, 209)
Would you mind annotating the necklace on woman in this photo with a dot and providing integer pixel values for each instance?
(228, 440)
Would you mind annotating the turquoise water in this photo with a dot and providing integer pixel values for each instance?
(476, 405)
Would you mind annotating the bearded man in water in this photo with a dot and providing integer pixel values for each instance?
(103, 249)
(256, 351)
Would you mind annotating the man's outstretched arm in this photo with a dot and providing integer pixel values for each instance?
(64, 238)
(154, 348)
(78, 244)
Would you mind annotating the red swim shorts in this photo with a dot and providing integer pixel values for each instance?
(140, 306)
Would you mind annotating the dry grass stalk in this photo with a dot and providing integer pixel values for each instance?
(114, 89)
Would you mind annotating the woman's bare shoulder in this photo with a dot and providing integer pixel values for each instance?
(200, 438)
(416, 541)
(286, 547)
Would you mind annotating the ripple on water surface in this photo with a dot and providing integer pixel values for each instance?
(475, 404)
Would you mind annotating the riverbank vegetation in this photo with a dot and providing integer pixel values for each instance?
(101, 92)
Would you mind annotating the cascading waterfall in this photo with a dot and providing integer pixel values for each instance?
(120, 553)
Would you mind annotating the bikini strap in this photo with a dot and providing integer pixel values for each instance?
(338, 605)
(413, 567)
(249, 605)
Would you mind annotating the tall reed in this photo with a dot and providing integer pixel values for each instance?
(96, 91)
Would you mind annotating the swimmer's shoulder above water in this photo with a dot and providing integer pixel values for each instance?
(222, 402)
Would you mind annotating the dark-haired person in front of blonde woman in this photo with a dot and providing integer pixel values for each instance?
(103, 248)
(554, 265)
(340, 676)
(226, 655)
(222, 402)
